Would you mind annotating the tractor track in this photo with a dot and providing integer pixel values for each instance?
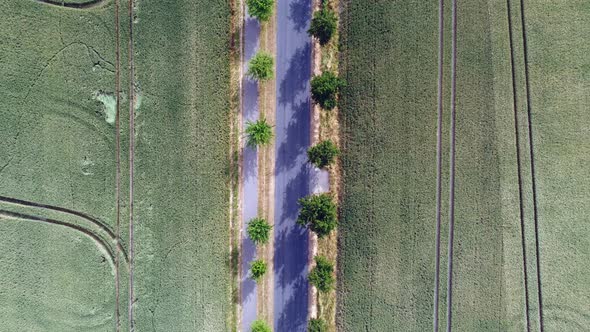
(452, 166)
(532, 164)
(438, 163)
(85, 5)
(97, 239)
(519, 166)
(79, 214)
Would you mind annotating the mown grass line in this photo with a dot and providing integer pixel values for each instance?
(532, 163)
(518, 164)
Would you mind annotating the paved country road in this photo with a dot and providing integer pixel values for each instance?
(249, 196)
(292, 172)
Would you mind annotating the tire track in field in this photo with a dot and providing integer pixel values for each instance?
(97, 239)
(532, 163)
(131, 166)
(95, 221)
(118, 164)
(518, 165)
(438, 163)
(452, 165)
(85, 5)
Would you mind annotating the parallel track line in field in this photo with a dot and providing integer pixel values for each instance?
(452, 166)
(518, 165)
(131, 166)
(532, 162)
(438, 163)
(118, 163)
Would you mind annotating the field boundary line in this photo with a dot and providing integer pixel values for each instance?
(452, 165)
(438, 163)
(131, 166)
(518, 165)
(532, 162)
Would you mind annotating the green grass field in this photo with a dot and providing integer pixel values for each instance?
(57, 149)
(182, 166)
(388, 56)
(56, 104)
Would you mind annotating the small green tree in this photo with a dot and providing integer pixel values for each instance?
(261, 9)
(259, 132)
(260, 325)
(261, 67)
(258, 230)
(318, 212)
(323, 25)
(257, 269)
(322, 275)
(317, 325)
(323, 154)
(325, 88)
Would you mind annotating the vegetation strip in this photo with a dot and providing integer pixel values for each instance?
(532, 164)
(118, 164)
(452, 166)
(519, 166)
(438, 162)
(131, 165)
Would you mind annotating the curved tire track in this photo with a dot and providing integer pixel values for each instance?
(102, 226)
(85, 5)
(99, 241)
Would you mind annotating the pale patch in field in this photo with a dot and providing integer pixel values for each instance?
(109, 105)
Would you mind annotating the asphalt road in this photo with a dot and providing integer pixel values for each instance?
(250, 112)
(292, 172)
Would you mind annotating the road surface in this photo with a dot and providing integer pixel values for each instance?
(249, 176)
(292, 172)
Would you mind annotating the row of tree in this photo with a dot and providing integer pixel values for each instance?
(318, 212)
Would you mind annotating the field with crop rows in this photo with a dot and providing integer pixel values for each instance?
(58, 166)
(387, 234)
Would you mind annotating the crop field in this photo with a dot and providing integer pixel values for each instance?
(504, 198)
(59, 180)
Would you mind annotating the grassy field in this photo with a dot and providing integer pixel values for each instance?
(182, 166)
(559, 65)
(388, 113)
(58, 149)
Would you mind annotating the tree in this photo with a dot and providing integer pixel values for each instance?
(322, 275)
(260, 326)
(258, 230)
(261, 67)
(323, 25)
(257, 269)
(325, 88)
(261, 9)
(259, 132)
(323, 154)
(317, 325)
(318, 212)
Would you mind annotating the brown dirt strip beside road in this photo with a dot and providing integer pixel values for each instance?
(452, 165)
(438, 162)
(131, 164)
(519, 165)
(532, 162)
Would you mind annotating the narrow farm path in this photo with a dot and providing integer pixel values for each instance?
(117, 164)
(130, 10)
(292, 172)
(249, 176)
